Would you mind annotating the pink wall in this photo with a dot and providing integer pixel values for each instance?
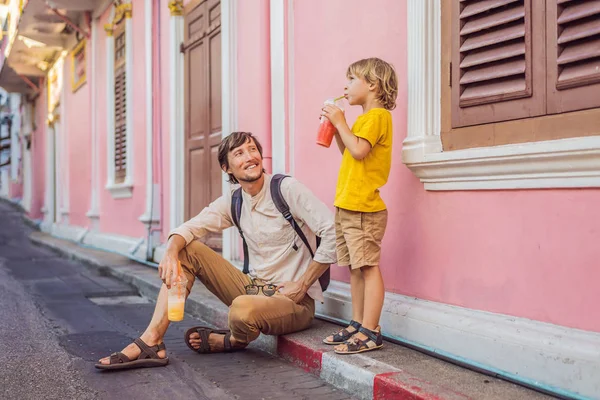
(38, 157)
(532, 254)
(254, 72)
(15, 189)
(113, 212)
(78, 132)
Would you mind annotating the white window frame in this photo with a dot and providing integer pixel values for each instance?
(563, 163)
(125, 188)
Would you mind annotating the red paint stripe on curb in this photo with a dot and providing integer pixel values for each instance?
(403, 386)
(306, 358)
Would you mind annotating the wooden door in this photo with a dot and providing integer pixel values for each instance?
(203, 128)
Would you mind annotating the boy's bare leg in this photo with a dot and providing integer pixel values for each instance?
(374, 301)
(155, 331)
(357, 290)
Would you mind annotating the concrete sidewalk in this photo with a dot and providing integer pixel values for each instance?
(395, 372)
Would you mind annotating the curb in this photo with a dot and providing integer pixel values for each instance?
(359, 375)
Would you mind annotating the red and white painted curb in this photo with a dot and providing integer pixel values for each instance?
(360, 375)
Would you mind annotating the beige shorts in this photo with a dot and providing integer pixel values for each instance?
(358, 237)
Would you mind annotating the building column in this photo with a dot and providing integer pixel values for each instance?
(93, 213)
(176, 115)
(423, 135)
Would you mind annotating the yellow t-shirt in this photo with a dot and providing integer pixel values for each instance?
(359, 181)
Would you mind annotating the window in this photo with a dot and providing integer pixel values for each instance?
(524, 61)
(555, 144)
(120, 158)
(78, 65)
(573, 44)
(119, 118)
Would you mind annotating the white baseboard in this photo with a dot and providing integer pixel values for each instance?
(125, 245)
(68, 232)
(553, 355)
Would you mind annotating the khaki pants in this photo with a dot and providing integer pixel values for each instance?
(248, 315)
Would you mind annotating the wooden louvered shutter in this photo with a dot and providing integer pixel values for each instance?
(498, 60)
(120, 107)
(573, 44)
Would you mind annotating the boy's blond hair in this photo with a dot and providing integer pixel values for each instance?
(379, 73)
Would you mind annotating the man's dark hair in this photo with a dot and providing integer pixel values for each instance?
(231, 142)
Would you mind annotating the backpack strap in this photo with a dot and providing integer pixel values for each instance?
(236, 212)
(284, 208)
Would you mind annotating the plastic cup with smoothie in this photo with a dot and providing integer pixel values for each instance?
(176, 297)
(326, 128)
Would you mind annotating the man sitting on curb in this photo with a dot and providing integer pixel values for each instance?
(279, 294)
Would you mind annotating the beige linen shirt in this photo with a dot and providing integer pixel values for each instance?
(272, 242)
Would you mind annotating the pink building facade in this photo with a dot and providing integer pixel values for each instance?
(490, 252)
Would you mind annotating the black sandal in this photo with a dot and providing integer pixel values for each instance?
(343, 335)
(355, 345)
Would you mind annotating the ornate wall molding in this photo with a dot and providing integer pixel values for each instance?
(176, 8)
(121, 11)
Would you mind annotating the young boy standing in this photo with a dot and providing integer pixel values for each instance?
(361, 214)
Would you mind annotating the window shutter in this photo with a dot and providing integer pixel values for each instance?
(497, 60)
(573, 44)
(120, 108)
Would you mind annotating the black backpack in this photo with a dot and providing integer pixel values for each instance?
(284, 209)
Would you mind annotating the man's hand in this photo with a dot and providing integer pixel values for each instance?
(169, 268)
(293, 290)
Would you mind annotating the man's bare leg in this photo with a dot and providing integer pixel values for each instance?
(155, 331)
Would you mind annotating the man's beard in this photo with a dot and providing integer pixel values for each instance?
(251, 179)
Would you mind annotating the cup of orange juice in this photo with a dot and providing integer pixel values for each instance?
(176, 298)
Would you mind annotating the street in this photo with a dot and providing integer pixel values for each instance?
(58, 318)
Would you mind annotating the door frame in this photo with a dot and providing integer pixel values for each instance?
(228, 110)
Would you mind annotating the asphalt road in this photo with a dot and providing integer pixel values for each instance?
(58, 317)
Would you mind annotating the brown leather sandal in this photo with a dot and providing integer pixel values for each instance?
(204, 332)
(148, 358)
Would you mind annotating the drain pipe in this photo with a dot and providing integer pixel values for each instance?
(157, 128)
(148, 45)
(29, 83)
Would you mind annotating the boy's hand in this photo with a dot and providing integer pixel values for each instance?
(334, 114)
